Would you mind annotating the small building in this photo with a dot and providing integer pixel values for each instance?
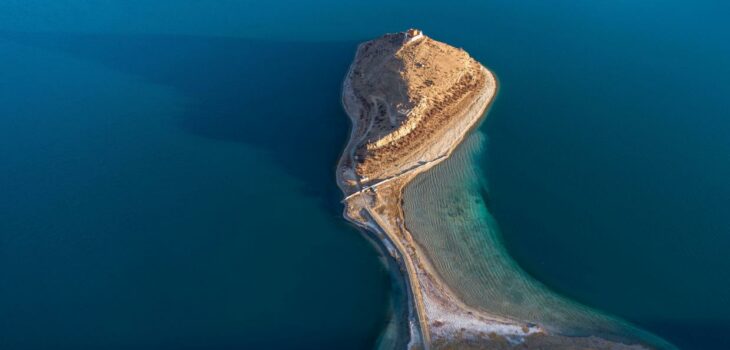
(412, 35)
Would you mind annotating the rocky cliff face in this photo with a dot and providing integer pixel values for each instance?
(411, 98)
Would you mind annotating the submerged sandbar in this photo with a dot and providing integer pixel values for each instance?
(412, 100)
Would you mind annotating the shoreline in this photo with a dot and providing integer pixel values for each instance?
(373, 192)
(395, 268)
(377, 236)
(428, 296)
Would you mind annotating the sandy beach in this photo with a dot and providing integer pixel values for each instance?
(432, 300)
(393, 141)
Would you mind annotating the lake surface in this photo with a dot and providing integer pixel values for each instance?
(446, 209)
(158, 192)
(167, 167)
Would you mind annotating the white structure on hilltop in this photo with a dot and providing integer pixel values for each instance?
(412, 35)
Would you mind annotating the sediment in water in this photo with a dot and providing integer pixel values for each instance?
(447, 214)
(412, 100)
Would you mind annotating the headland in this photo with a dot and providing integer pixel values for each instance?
(411, 101)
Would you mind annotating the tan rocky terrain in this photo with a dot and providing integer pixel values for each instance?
(413, 97)
(411, 101)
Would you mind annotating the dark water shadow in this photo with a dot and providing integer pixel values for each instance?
(282, 98)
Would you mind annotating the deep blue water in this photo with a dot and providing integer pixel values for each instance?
(608, 165)
(173, 192)
(160, 191)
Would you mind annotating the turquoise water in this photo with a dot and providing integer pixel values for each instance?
(446, 211)
(146, 154)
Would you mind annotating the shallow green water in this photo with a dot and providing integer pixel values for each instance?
(146, 151)
(446, 211)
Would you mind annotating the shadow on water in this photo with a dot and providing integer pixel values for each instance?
(279, 97)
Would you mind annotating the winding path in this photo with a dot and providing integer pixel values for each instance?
(391, 178)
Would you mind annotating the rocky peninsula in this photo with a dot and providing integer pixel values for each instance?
(411, 101)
